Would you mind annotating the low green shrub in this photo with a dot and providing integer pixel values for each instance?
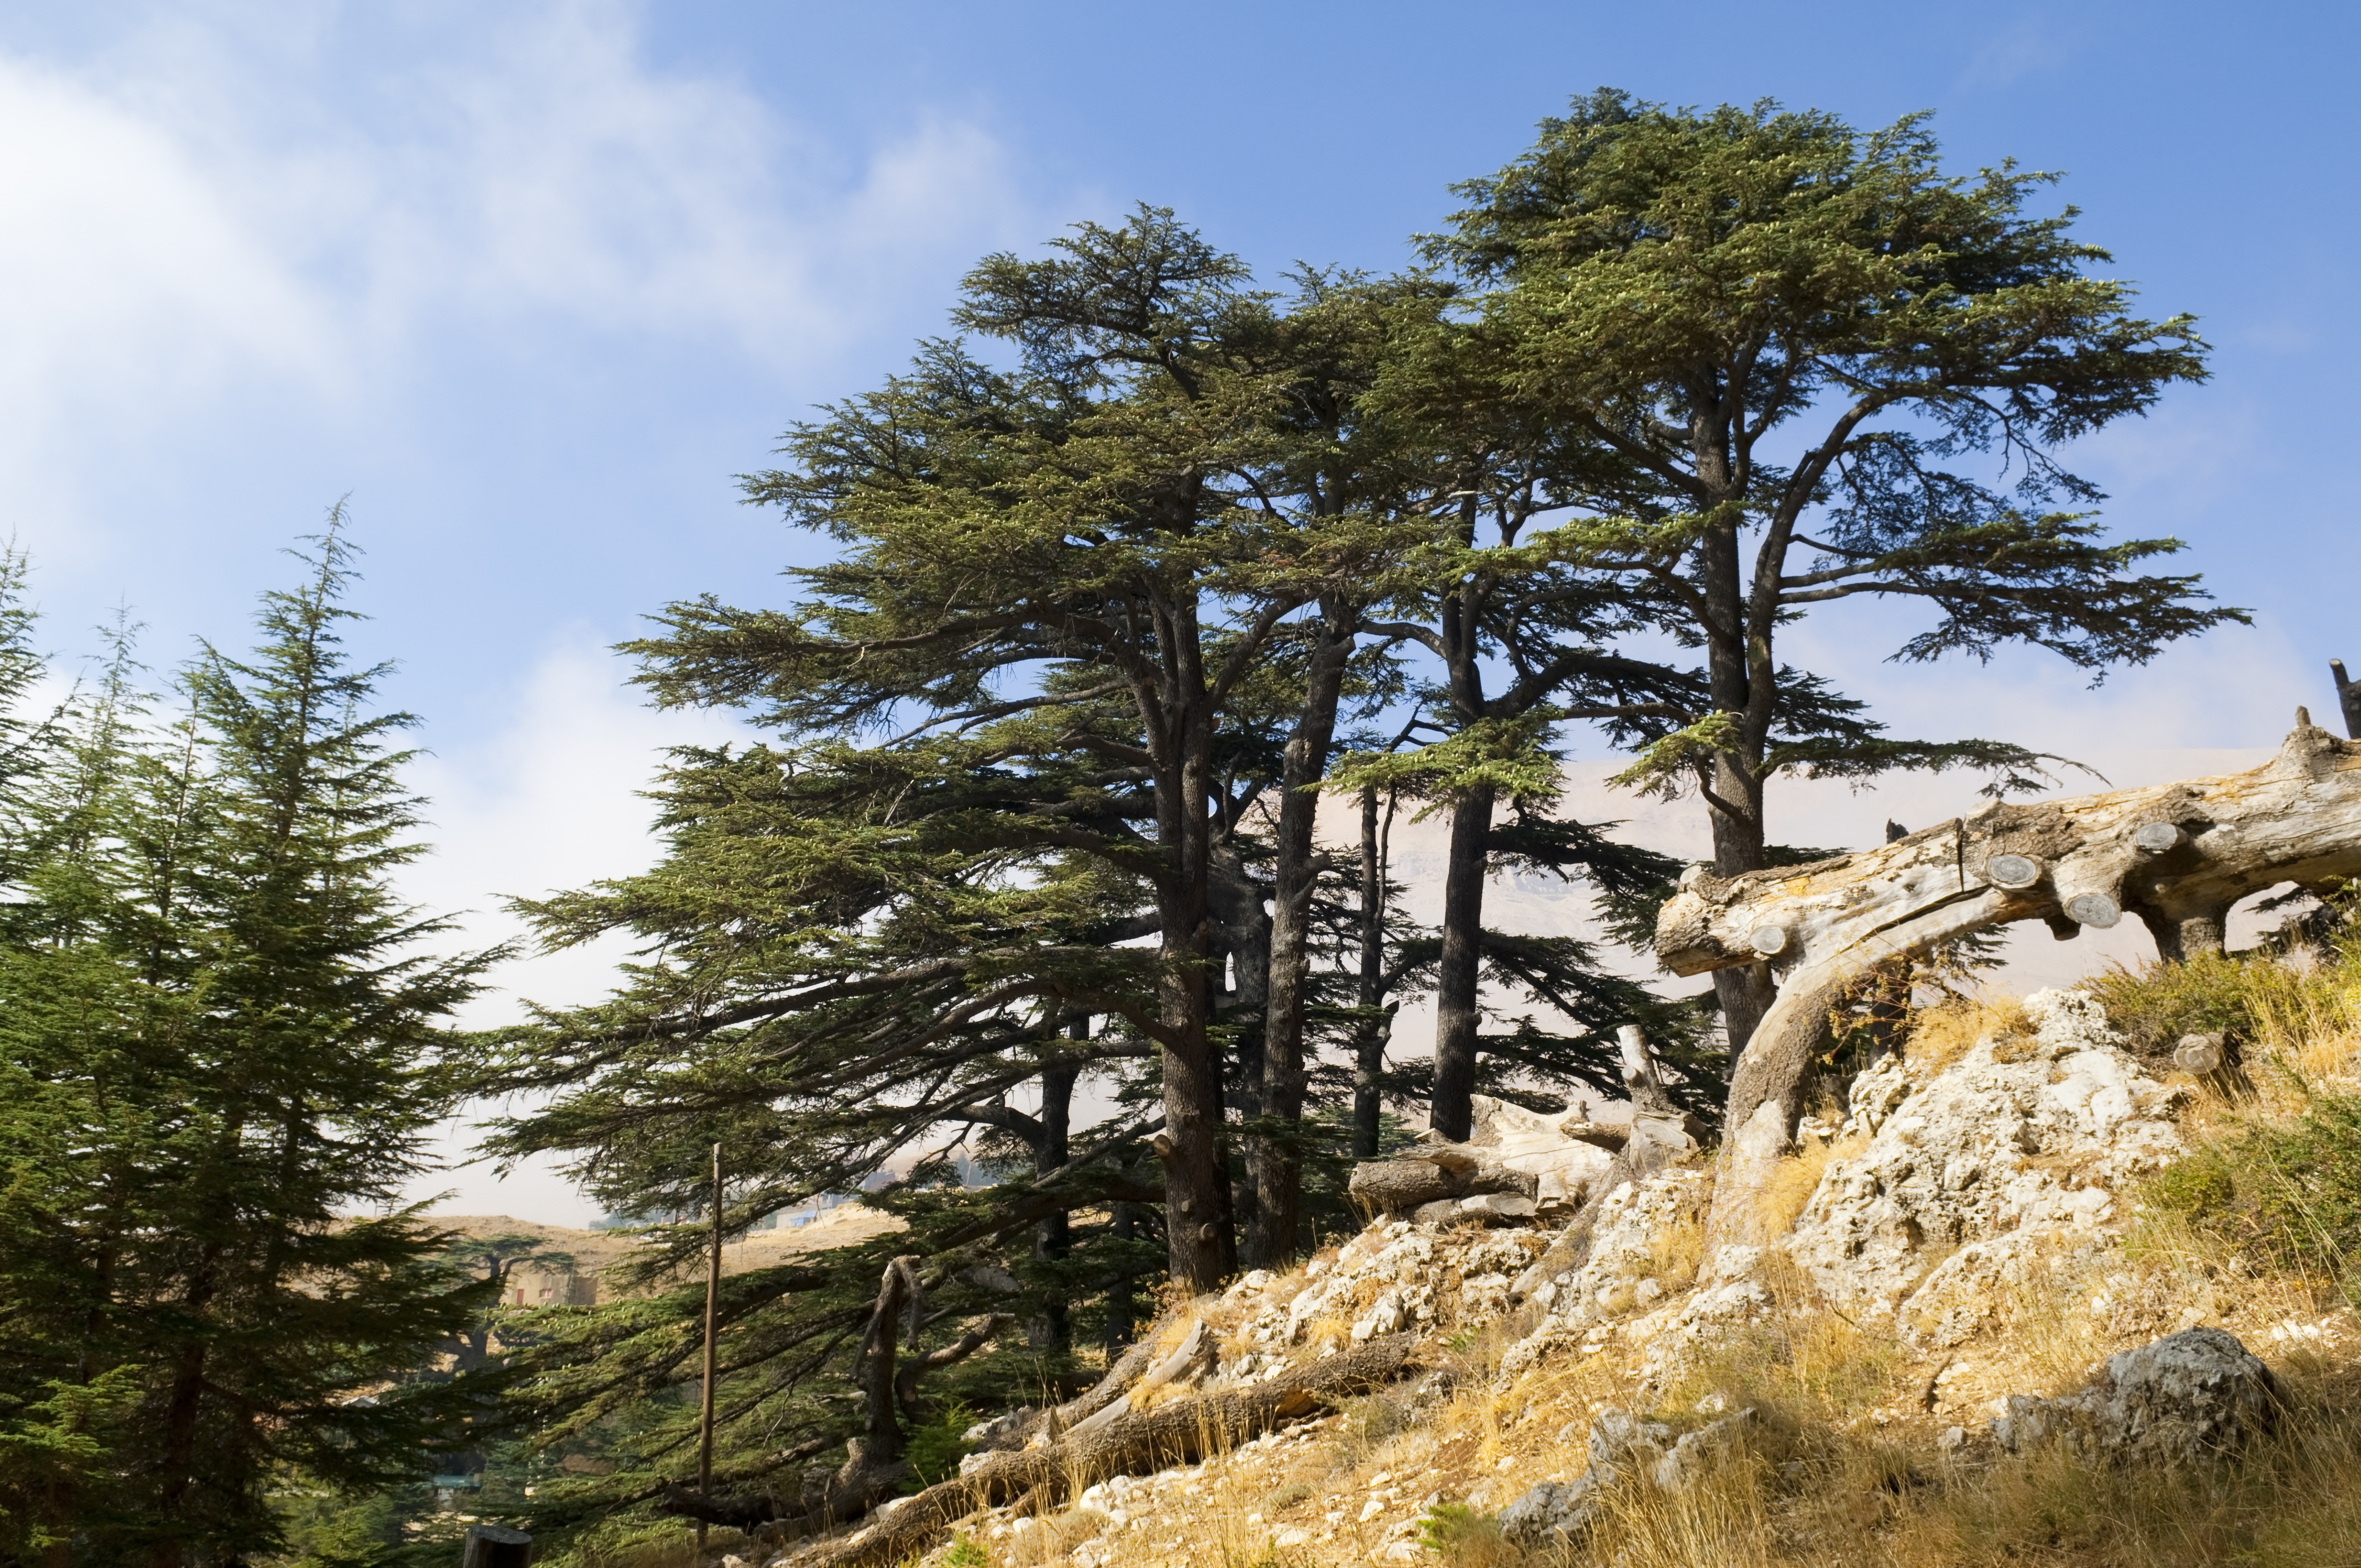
(2285, 1197)
(2156, 1004)
(1465, 1537)
(936, 1447)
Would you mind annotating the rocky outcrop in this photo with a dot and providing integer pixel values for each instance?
(1639, 1248)
(1394, 1277)
(2185, 1398)
(2026, 1136)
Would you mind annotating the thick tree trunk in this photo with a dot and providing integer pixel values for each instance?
(2175, 854)
(1121, 1311)
(1242, 948)
(1274, 1168)
(1458, 970)
(1745, 993)
(1371, 1036)
(1179, 1431)
(1052, 1234)
(1200, 1242)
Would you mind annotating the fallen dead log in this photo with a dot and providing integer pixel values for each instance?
(1016, 1431)
(2177, 856)
(1179, 1431)
(1197, 1352)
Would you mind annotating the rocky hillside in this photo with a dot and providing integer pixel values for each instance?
(1993, 1320)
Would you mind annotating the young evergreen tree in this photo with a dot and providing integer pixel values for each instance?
(294, 1277)
(1813, 366)
(221, 1036)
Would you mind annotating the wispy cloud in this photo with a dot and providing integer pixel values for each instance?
(549, 800)
(2031, 44)
(209, 215)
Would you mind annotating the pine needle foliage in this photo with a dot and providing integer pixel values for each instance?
(219, 1053)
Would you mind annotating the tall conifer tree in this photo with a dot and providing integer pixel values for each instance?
(222, 1032)
(1807, 365)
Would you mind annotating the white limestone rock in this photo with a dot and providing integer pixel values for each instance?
(1629, 1237)
(2023, 1135)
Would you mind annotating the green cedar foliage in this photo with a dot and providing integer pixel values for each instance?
(1055, 700)
(1806, 363)
(218, 1044)
(1128, 508)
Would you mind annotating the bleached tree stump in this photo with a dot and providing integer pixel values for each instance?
(2177, 856)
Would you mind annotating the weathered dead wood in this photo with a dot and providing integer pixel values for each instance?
(1196, 1352)
(1059, 1419)
(1179, 1431)
(1431, 1172)
(2176, 855)
(874, 1466)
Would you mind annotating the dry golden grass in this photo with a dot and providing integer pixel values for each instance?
(1848, 1471)
(1942, 1034)
(1798, 1176)
(1676, 1253)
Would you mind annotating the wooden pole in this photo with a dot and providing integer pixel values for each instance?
(712, 1307)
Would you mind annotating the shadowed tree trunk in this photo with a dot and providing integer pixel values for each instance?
(1274, 1168)
(1371, 1036)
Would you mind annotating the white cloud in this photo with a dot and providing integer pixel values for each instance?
(216, 221)
(549, 801)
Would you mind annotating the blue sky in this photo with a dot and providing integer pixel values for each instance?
(532, 282)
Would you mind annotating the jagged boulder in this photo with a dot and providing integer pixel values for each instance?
(2185, 1398)
(1553, 1513)
(2024, 1134)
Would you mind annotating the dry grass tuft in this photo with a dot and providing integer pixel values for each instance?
(1796, 1177)
(1676, 1253)
(1944, 1033)
(1723, 1520)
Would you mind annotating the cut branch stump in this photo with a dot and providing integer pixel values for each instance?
(496, 1546)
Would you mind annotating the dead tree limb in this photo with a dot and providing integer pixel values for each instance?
(978, 1333)
(1179, 1431)
(1433, 1169)
(2176, 855)
(741, 1512)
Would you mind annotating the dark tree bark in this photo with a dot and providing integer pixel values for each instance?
(1370, 1037)
(1199, 1234)
(1458, 1014)
(1053, 1234)
(1121, 1311)
(1275, 1170)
